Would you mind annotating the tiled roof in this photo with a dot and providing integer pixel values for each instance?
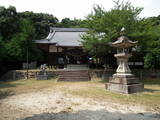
(64, 36)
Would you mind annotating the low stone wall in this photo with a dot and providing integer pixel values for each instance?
(104, 75)
(94, 73)
(22, 74)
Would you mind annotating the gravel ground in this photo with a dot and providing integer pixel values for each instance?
(56, 105)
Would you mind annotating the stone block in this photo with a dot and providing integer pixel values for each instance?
(123, 79)
(123, 88)
(42, 77)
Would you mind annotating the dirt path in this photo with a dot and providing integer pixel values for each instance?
(57, 105)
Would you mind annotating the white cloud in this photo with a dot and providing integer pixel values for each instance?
(76, 8)
(151, 7)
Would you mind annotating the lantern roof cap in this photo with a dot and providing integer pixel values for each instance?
(123, 41)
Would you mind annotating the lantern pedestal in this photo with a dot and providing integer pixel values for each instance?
(123, 80)
(126, 89)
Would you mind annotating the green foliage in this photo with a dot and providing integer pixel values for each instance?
(8, 22)
(23, 43)
(68, 23)
(152, 58)
(42, 22)
(106, 25)
(2, 49)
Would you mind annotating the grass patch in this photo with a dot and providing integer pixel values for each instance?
(151, 81)
(93, 89)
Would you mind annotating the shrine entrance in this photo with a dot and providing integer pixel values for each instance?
(76, 56)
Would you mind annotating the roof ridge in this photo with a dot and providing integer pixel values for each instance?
(51, 34)
(69, 29)
(54, 32)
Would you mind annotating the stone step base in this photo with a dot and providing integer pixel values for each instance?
(73, 79)
(122, 88)
(77, 67)
(73, 75)
(73, 71)
(77, 75)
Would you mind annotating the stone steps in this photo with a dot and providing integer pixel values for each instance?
(74, 75)
(74, 79)
(77, 67)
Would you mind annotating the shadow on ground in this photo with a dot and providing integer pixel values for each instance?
(8, 85)
(5, 94)
(93, 115)
(151, 81)
(150, 90)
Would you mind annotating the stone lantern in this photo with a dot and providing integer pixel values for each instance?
(123, 80)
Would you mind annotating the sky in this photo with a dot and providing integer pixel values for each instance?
(77, 8)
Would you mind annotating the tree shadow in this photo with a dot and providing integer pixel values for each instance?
(151, 81)
(5, 94)
(8, 85)
(94, 115)
(150, 90)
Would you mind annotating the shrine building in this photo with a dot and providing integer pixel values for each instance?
(63, 46)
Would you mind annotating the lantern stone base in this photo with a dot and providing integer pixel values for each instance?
(42, 77)
(124, 84)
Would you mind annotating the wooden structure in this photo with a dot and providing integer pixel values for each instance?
(63, 46)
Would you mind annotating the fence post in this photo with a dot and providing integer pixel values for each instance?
(14, 75)
(141, 74)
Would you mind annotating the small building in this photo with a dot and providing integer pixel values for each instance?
(63, 46)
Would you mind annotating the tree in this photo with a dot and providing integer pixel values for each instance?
(23, 44)
(9, 22)
(2, 49)
(104, 26)
(68, 23)
(42, 22)
(152, 57)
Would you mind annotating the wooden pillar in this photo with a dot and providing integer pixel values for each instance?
(57, 49)
(48, 58)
